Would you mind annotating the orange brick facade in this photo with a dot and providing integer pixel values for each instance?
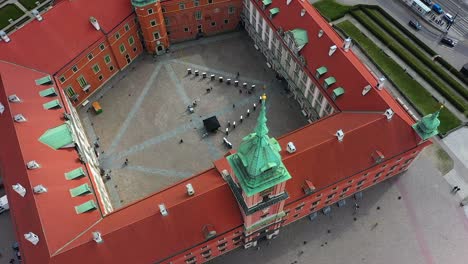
(85, 74)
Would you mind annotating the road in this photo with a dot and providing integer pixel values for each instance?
(459, 7)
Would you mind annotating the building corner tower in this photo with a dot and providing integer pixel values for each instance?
(152, 26)
(258, 182)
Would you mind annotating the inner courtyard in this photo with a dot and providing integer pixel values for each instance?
(146, 137)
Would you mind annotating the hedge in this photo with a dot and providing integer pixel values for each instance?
(331, 10)
(419, 97)
(411, 61)
(381, 21)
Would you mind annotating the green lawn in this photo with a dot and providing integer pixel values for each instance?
(331, 10)
(7, 12)
(414, 91)
(30, 4)
(412, 61)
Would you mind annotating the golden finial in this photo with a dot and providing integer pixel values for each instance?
(264, 97)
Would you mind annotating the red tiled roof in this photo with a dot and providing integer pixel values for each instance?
(50, 215)
(349, 72)
(143, 235)
(330, 161)
(63, 34)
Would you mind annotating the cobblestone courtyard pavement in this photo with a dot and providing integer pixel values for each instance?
(145, 113)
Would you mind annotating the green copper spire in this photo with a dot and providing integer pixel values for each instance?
(257, 164)
(427, 126)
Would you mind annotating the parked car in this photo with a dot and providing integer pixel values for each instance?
(448, 17)
(448, 41)
(437, 8)
(414, 24)
(427, 2)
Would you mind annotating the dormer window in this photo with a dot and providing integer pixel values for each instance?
(266, 3)
(321, 71)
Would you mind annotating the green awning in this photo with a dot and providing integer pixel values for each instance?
(48, 92)
(58, 137)
(74, 174)
(80, 190)
(322, 70)
(44, 80)
(85, 207)
(274, 11)
(300, 37)
(338, 91)
(52, 104)
(266, 2)
(330, 80)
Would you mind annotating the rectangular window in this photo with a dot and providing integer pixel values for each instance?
(96, 68)
(181, 6)
(117, 35)
(153, 23)
(82, 81)
(74, 68)
(111, 68)
(127, 27)
(186, 29)
(361, 182)
(163, 9)
(210, 1)
(100, 77)
(107, 59)
(378, 174)
(196, 3)
(213, 23)
(150, 11)
(394, 167)
(156, 35)
(102, 46)
(331, 196)
(226, 21)
(408, 161)
(62, 79)
(198, 15)
(231, 10)
(316, 203)
(264, 216)
(131, 40)
(166, 21)
(70, 92)
(346, 189)
(90, 56)
(122, 48)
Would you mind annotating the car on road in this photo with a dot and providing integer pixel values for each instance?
(414, 24)
(448, 17)
(427, 2)
(437, 8)
(448, 41)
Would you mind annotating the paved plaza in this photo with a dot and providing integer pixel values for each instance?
(145, 113)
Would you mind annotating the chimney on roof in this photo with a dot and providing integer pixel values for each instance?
(163, 210)
(332, 50)
(31, 237)
(381, 83)
(290, 147)
(303, 11)
(366, 89)
(39, 189)
(288, 2)
(2, 108)
(320, 33)
(37, 15)
(95, 23)
(14, 98)
(19, 118)
(31, 165)
(4, 36)
(19, 189)
(389, 113)
(377, 156)
(190, 190)
(97, 237)
(340, 135)
(347, 44)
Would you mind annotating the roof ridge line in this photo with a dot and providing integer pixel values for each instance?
(75, 238)
(23, 66)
